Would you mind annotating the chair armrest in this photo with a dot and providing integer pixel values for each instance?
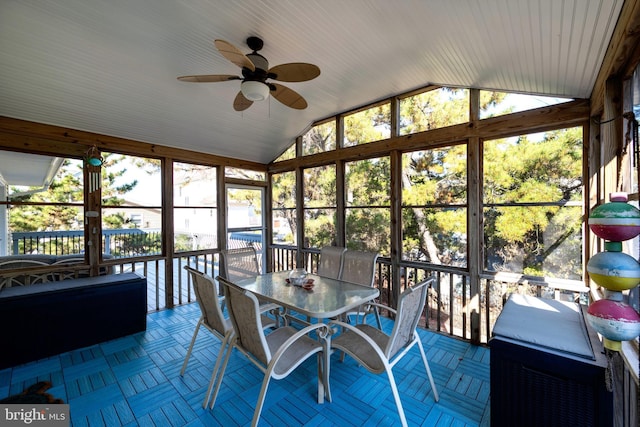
(383, 306)
(295, 337)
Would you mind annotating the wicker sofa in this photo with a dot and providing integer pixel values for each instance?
(39, 263)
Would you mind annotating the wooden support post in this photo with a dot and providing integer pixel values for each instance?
(395, 279)
(475, 218)
(167, 226)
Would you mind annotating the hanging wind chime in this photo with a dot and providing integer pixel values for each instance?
(93, 161)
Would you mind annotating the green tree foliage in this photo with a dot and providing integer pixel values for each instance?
(542, 239)
(114, 187)
(368, 125)
(319, 139)
(433, 109)
(368, 215)
(283, 187)
(433, 180)
(319, 195)
(50, 209)
(434, 198)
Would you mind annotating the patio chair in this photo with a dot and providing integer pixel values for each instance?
(379, 352)
(277, 354)
(330, 264)
(212, 319)
(360, 267)
(242, 263)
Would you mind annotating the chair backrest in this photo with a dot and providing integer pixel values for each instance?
(244, 312)
(359, 267)
(330, 264)
(207, 297)
(239, 263)
(410, 306)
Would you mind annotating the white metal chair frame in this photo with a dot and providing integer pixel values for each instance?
(379, 352)
(277, 354)
(212, 319)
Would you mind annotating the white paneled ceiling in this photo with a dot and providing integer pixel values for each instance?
(110, 67)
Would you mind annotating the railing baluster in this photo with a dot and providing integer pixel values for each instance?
(451, 304)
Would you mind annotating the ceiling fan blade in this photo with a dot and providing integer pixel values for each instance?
(209, 78)
(295, 72)
(241, 103)
(288, 97)
(233, 54)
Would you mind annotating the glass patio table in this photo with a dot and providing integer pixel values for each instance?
(329, 298)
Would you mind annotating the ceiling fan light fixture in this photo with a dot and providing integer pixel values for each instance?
(254, 91)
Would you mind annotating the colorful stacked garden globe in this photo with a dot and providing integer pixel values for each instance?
(616, 221)
(615, 271)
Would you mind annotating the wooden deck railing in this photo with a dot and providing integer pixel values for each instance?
(447, 308)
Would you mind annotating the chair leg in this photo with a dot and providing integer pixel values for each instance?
(193, 341)
(216, 368)
(396, 397)
(326, 366)
(426, 365)
(218, 381)
(260, 402)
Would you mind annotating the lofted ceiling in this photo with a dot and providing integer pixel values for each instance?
(110, 67)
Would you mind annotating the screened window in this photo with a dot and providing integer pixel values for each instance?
(283, 195)
(501, 103)
(368, 214)
(434, 206)
(433, 109)
(290, 153)
(195, 216)
(319, 139)
(230, 172)
(319, 191)
(368, 125)
(533, 204)
(131, 189)
(41, 198)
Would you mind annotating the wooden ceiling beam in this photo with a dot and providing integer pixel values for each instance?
(22, 135)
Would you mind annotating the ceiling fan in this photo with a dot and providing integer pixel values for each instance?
(255, 72)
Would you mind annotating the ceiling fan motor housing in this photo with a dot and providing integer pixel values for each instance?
(259, 61)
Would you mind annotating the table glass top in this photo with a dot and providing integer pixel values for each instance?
(328, 298)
